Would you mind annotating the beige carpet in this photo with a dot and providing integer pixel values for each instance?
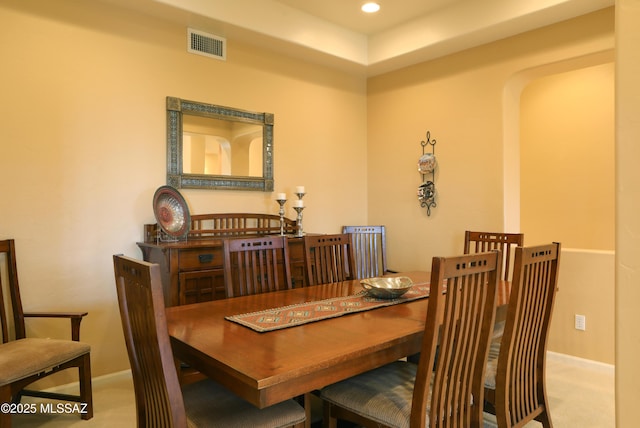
(581, 395)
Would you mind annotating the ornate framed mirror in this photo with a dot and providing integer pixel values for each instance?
(215, 147)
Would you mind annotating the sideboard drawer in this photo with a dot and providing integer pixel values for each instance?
(200, 258)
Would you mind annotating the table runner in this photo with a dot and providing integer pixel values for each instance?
(303, 313)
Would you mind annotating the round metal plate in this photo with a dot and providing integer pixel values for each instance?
(171, 211)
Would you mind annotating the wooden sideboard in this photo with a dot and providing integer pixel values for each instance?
(192, 269)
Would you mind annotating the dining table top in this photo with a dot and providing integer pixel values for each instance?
(266, 368)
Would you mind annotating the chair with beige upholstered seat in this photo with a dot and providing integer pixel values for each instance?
(160, 402)
(443, 391)
(25, 360)
(515, 380)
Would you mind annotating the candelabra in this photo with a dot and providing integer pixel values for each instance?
(299, 206)
(299, 232)
(281, 199)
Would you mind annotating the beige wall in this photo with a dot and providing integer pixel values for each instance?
(567, 159)
(567, 174)
(586, 287)
(460, 100)
(627, 208)
(83, 146)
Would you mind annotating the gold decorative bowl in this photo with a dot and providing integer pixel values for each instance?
(388, 287)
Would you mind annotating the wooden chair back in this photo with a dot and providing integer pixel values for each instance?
(159, 399)
(460, 316)
(369, 250)
(479, 242)
(11, 313)
(256, 265)
(328, 258)
(520, 394)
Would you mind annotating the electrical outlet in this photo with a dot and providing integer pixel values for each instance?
(581, 322)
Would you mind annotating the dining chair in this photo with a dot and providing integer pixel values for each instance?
(437, 392)
(328, 258)
(256, 265)
(259, 265)
(25, 360)
(515, 389)
(160, 401)
(478, 242)
(369, 250)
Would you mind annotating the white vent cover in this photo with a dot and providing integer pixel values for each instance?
(202, 43)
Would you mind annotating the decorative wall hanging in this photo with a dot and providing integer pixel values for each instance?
(427, 168)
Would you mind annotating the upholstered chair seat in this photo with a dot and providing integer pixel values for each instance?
(22, 358)
(208, 404)
(382, 395)
(492, 365)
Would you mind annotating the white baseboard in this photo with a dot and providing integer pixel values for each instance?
(582, 362)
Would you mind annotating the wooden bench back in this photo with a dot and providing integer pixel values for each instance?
(221, 225)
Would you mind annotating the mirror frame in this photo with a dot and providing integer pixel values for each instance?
(176, 108)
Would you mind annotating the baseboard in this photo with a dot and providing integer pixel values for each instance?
(121, 375)
(124, 374)
(551, 356)
(581, 362)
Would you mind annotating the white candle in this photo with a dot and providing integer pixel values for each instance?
(298, 203)
(281, 196)
(299, 189)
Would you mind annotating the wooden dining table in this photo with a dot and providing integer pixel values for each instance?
(266, 368)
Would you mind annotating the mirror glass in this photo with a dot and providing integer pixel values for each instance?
(221, 147)
(216, 147)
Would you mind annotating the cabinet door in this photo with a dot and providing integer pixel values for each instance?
(201, 286)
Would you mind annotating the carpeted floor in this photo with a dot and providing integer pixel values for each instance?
(581, 395)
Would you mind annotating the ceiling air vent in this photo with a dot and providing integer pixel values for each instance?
(206, 44)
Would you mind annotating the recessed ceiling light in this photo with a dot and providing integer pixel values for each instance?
(370, 7)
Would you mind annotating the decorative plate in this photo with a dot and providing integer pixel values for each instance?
(387, 288)
(171, 211)
(427, 163)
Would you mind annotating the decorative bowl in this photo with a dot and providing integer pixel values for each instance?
(388, 287)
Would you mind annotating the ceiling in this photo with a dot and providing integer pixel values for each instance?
(337, 33)
(347, 13)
